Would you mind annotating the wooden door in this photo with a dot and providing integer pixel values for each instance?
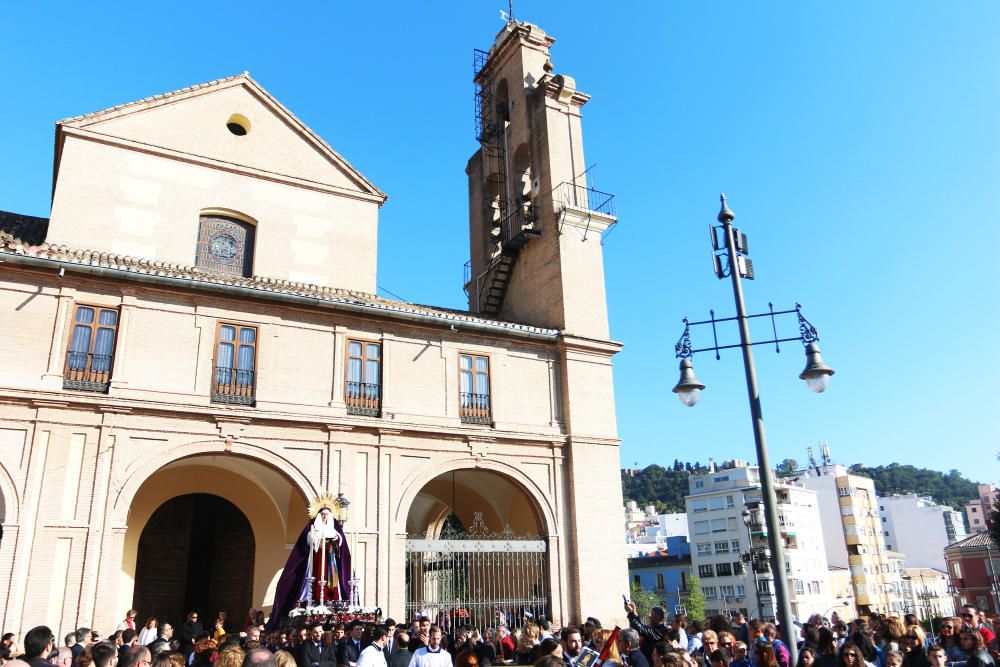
(161, 571)
(232, 567)
(196, 553)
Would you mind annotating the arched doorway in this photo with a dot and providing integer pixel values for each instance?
(195, 553)
(264, 493)
(475, 547)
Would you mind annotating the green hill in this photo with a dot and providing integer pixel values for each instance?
(666, 487)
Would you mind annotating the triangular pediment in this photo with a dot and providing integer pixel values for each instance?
(194, 123)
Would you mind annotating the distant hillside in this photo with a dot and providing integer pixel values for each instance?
(666, 487)
(946, 488)
(663, 487)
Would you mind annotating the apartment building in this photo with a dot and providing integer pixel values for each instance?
(919, 528)
(926, 593)
(729, 552)
(978, 511)
(852, 533)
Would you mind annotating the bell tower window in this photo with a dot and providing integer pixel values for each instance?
(225, 245)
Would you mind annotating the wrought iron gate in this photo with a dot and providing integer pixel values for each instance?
(477, 577)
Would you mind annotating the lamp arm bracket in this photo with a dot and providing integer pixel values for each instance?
(684, 349)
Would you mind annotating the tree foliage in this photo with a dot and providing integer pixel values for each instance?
(694, 605)
(786, 467)
(946, 488)
(665, 487)
(644, 600)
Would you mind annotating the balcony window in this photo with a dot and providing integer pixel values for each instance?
(234, 379)
(474, 390)
(706, 571)
(724, 569)
(722, 547)
(90, 349)
(659, 581)
(703, 549)
(363, 393)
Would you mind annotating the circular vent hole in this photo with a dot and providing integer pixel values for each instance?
(238, 124)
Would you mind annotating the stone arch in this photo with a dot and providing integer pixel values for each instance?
(471, 583)
(521, 174)
(229, 213)
(501, 101)
(247, 482)
(264, 455)
(414, 483)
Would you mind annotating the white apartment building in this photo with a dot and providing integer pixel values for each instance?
(896, 588)
(853, 535)
(919, 528)
(729, 556)
(926, 594)
(646, 531)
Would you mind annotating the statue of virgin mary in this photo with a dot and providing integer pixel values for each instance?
(318, 569)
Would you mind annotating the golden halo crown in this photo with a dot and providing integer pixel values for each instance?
(329, 501)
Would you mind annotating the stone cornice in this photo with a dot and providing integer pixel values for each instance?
(571, 343)
(250, 416)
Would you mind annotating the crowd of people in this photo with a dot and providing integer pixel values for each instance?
(966, 640)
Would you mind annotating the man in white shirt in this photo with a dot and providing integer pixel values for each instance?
(373, 655)
(431, 655)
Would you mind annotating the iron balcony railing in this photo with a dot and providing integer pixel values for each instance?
(571, 195)
(87, 372)
(364, 399)
(235, 386)
(474, 408)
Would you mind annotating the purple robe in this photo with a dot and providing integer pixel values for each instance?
(292, 586)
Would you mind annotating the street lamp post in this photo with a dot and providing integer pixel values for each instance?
(751, 563)
(816, 375)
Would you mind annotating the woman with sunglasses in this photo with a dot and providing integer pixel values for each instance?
(914, 653)
(948, 638)
(826, 647)
(850, 656)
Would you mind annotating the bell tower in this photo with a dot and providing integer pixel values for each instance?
(535, 226)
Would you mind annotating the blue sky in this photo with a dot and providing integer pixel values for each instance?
(857, 142)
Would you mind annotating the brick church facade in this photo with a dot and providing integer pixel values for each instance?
(195, 350)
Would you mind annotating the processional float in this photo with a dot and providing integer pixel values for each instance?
(318, 583)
